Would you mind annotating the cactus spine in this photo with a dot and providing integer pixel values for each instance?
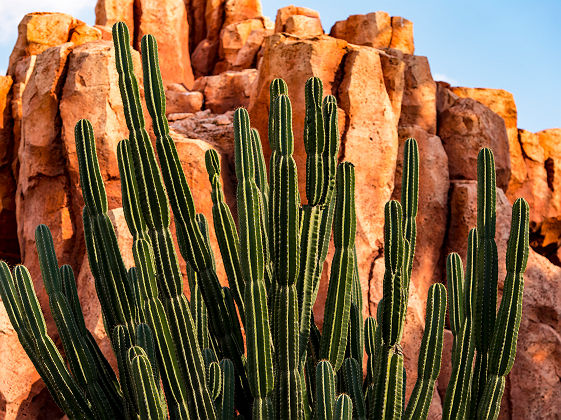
(182, 359)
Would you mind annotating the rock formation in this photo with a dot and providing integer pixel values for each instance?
(217, 55)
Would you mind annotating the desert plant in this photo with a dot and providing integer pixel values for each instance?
(479, 331)
(188, 359)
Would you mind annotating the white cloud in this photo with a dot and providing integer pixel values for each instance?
(12, 11)
(444, 78)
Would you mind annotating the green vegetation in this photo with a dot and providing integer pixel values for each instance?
(188, 359)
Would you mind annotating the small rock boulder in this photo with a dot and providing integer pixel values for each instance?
(465, 128)
(226, 91)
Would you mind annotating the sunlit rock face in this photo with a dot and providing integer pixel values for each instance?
(217, 55)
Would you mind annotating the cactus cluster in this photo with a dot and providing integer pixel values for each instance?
(188, 359)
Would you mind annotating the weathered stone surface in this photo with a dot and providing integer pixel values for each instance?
(204, 57)
(502, 103)
(373, 29)
(9, 248)
(234, 37)
(285, 13)
(303, 26)
(402, 35)
(168, 22)
(227, 91)
(433, 204)
(183, 101)
(39, 31)
(465, 128)
(41, 195)
(418, 106)
(240, 10)
(247, 55)
(109, 12)
(91, 91)
(393, 67)
(532, 386)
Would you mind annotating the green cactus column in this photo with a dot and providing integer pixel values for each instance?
(284, 205)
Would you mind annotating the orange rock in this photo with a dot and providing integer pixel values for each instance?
(83, 33)
(41, 195)
(109, 12)
(167, 20)
(418, 106)
(393, 67)
(303, 26)
(465, 128)
(433, 205)
(183, 102)
(204, 57)
(285, 13)
(91, 91)
(235, 36)
(9, 248)
(247, 55)
(240, 10)
(373, 29)
(39, 31)
(402, 35)
(227, 91)
(502, 103)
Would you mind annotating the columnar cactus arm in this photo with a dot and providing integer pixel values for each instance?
(388, 395)
(99, 384)
(284, 205)
(226, 233)
(129, 191)
(455, 284)
(430, 354)
(227, 408)
(173, 378)
(394, 300)
(250, 219)
(24, 312)
(503, 344)
(487, 270)
(338, 301)
(322, 146)
(192, 243)
(147, 393)
(409, 199)
(343, 408)
(457, 399)
(352, 375)
(110, 270)
(355, 341)
(324, 391)
(314, 141)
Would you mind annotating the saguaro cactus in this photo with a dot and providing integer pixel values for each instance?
(184, 359)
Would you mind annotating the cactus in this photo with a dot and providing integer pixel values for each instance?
(479, 330)
(184, 359)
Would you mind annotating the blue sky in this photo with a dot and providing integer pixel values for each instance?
(508, 44)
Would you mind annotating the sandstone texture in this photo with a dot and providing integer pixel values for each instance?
(218, 55)
(377, 30)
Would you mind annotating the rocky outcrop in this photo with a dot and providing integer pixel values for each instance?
(467, 126)
(377, 30)
(60, 71)
(298, 21)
